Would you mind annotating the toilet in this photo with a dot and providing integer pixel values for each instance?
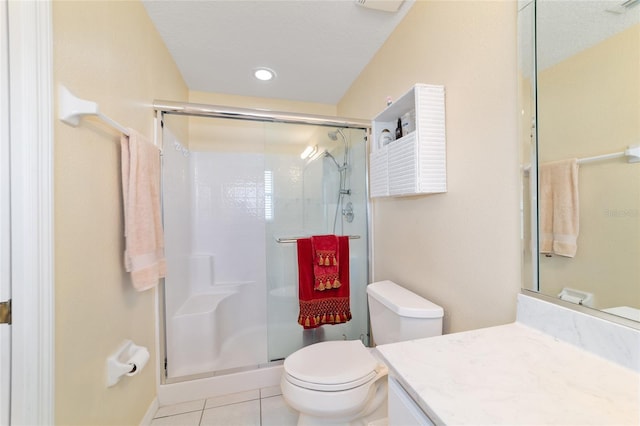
(342, 382)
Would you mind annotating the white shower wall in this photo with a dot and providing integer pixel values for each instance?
(229, 215)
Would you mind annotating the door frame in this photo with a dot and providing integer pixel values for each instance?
(5, 219)
(31, 140)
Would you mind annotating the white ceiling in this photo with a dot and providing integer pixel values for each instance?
(319, 47)
(316, 47)
(567, 27)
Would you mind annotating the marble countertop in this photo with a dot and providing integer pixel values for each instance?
(515, 375)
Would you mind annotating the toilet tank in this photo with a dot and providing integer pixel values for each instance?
(398, 314)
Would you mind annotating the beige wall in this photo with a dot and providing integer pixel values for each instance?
(588, 105)
(215, 134)
(110, 53)
(238, 101)
(460, 249)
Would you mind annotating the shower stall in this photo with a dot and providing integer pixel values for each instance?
(239, 187)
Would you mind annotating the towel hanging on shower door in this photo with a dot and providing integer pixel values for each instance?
(331, 306)
(325, 252)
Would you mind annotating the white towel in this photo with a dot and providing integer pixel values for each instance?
(559, 208)
(144, 245)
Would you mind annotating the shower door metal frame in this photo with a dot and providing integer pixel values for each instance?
(218, 111)
(163, 107)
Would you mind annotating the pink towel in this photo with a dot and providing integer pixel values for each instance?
(144, 245)
(559, 208)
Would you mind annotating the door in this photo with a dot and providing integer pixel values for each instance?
(26, 212)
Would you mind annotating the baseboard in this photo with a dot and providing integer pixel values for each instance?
(151, 411)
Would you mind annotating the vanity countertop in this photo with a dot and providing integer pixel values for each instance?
(513, 374)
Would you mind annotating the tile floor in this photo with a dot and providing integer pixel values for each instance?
(260, 407)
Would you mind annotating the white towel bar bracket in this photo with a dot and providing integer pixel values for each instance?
(72, 109)
(633, 154)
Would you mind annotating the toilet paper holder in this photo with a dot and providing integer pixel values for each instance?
(578, 297)
(128, 360)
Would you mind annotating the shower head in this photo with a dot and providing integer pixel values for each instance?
(334, 135)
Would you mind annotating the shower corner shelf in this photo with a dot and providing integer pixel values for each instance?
(415, 163)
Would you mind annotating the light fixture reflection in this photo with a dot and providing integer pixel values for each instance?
(309, 152)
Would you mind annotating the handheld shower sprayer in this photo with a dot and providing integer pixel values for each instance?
(340, 168)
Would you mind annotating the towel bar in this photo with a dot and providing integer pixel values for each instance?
(294, 239)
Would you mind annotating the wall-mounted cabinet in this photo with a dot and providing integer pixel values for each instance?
(414, 162)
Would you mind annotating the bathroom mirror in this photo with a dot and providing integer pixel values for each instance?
(580, 99)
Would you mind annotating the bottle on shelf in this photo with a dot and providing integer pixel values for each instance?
(399, 129)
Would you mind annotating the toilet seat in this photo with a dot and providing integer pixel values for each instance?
(331, 387)
(331, 366)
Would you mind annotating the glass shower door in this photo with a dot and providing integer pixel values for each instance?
(324, 193)
(231, 190)
(214, 217)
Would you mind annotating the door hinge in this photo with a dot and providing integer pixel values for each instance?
(5, 312)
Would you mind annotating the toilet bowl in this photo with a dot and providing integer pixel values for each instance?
(333, 382)
(342, 382)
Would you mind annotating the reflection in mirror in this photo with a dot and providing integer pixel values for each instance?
(586, 233)
(526, 106)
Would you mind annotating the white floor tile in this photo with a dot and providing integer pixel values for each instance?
(186, 419)
(276, 412)
(185, 407)
(240, 414)
(232, 398)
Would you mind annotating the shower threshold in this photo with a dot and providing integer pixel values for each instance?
(217, 373)
(208, 385)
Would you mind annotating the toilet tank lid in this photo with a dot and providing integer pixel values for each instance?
(402, 301)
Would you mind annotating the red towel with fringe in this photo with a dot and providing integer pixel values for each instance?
(324, 249)
(330, 306)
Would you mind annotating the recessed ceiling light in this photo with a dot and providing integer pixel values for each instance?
(264, 74)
